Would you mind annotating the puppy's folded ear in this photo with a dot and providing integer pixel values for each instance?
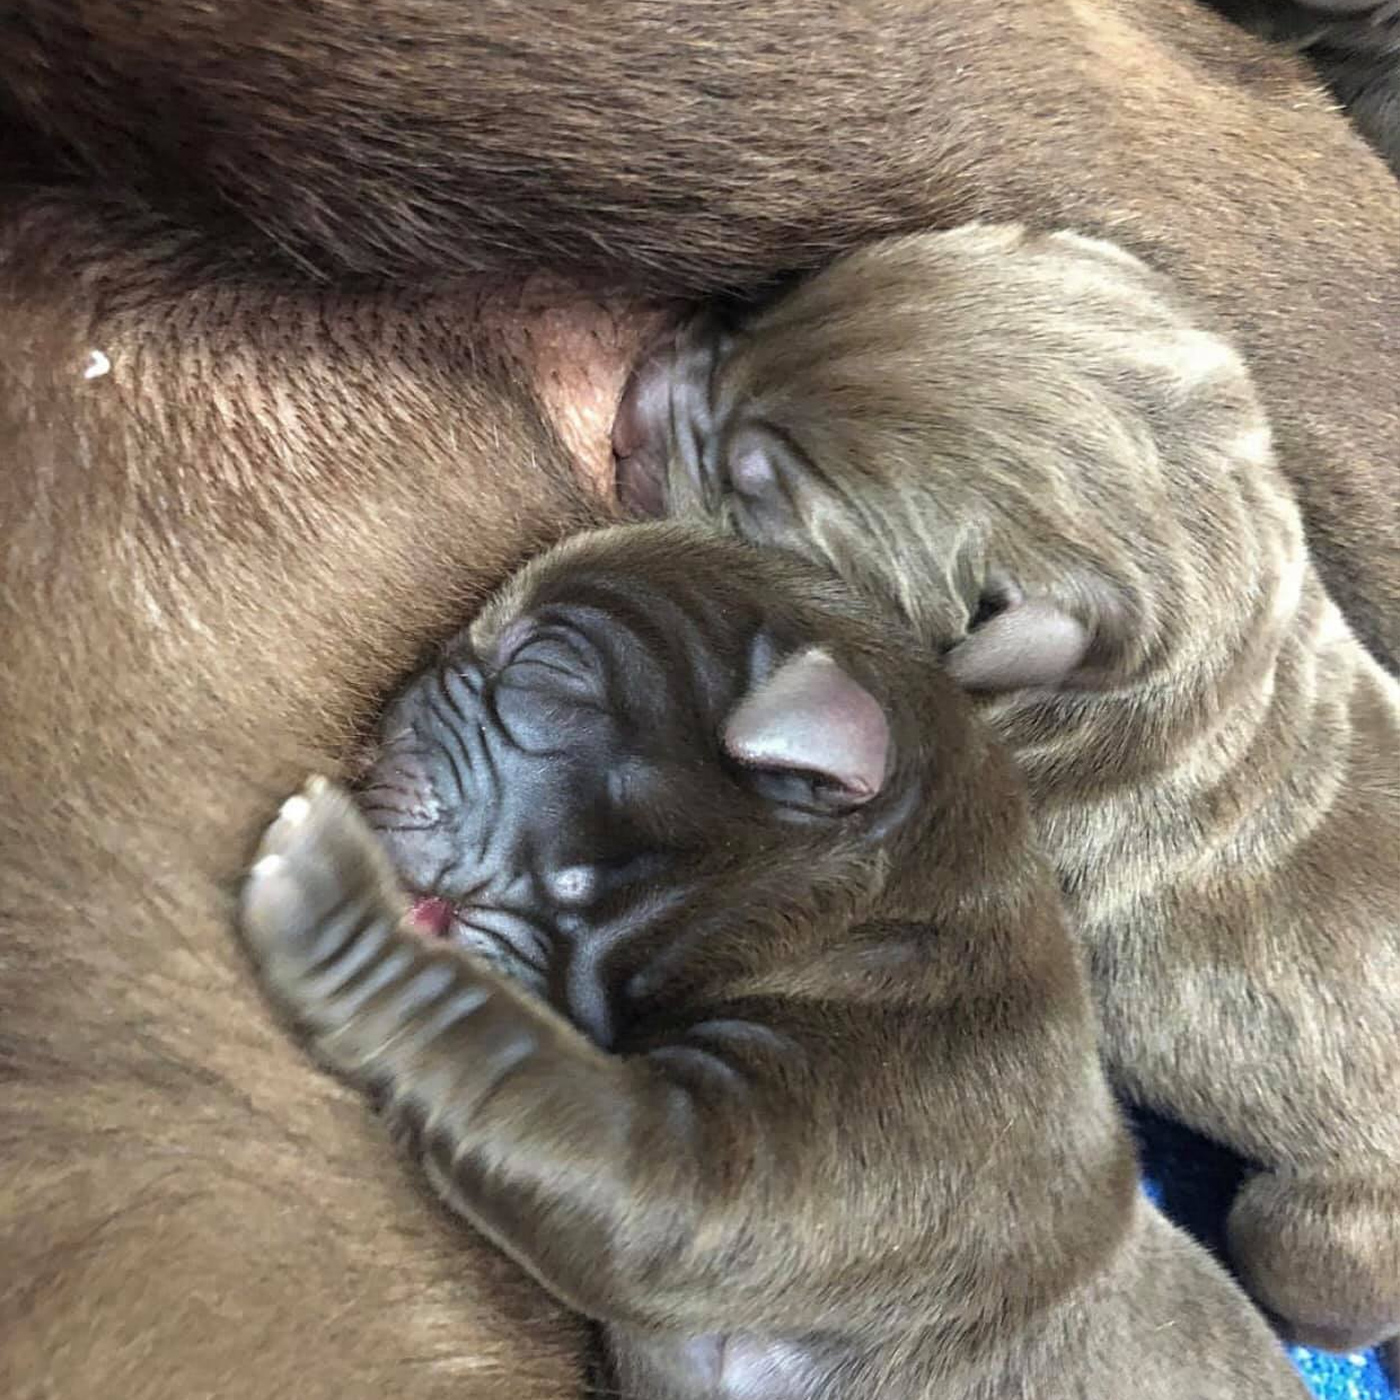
(666, 416)
(809, 716)
(1021, 641)
(1032, 643)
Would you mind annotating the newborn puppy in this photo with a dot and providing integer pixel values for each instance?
(1028, 448)
(758, 1034)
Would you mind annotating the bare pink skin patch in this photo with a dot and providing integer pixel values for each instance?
(433, 916)
(578, 350)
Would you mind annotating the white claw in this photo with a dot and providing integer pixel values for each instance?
(295, 810)
(267, 865)
(97, 365)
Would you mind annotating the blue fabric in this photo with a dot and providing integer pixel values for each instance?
(1194, 1181)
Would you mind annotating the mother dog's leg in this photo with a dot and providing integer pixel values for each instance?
(232, 509)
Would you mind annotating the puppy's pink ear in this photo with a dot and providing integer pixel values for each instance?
(1032, 642)
(809, 716)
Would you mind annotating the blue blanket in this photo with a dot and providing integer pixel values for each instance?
(1194, 1181)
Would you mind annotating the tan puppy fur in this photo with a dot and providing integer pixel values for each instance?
(1355, 47)
(1029, 447)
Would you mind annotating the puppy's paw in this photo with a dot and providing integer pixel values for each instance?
(1322, 1254)
(320, 880)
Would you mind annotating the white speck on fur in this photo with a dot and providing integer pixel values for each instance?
(1193, 357)
(148, 600)
(97, 365)
(1254, 446)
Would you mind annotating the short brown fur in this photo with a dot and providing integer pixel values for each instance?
(845, 1134)
(145, 746)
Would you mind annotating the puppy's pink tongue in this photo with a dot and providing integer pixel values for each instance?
(433, 915)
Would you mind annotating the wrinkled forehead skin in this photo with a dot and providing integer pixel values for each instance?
(559, 782)
(1040, 362)
(684, 623)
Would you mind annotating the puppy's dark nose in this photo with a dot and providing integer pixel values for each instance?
(398, 792)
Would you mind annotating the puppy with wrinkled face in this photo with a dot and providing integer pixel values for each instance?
(1027, 447)
(757, 1033)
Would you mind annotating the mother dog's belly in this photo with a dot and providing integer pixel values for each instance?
(577, 350)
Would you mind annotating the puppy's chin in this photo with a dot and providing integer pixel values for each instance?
(639, 443)
(638, 482)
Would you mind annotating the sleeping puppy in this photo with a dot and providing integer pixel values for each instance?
(757, 1033)
(1029, 449)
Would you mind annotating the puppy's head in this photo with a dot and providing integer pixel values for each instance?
(1021, 443)
(653, 743)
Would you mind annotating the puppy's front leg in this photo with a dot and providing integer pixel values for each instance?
(522, 1124)
(594, 1171)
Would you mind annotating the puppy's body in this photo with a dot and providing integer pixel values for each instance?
(849, 1137)
(1028, 448)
